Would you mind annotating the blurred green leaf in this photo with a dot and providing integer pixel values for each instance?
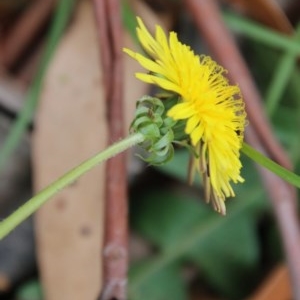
(285, 117)
(184, 228)
(178, 166)
(129, 20)
(230, 256)
(281, 78)
(261, 33)
(167, 284)
(167, 216)
(287, 124)
(31, 290)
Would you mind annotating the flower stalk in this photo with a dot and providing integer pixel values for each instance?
(33, 204)
(269, 164)
(24, 211)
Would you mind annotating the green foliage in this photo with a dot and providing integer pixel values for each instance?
(287, 124)
(186, 230)
(261, 34)
(31, 290)
(129, 20)
(165, 284)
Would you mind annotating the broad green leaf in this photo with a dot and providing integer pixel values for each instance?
(229, 258)
(183, 228)
(166, 284)
(167, 216)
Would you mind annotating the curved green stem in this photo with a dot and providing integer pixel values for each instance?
(24, 211)
(285, 174)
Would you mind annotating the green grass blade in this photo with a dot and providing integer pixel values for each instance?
(129, 20)
(260, 33)
(60, 20)
(285, 174)
(281, 78)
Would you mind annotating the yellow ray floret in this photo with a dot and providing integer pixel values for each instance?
(213, 109)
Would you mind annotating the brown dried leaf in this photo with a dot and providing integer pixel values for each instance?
(71, 127)
(276, 287)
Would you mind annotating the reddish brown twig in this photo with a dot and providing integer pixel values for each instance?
(283, 197)
(25, 30)
(108, 17)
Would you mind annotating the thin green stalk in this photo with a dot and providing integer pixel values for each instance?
(24, 211)
(285, 174)
(281, 77)
(60, 20)
(261, 33)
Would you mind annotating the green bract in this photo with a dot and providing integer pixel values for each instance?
(151, 121)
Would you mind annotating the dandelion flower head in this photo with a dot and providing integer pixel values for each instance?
(212, 108)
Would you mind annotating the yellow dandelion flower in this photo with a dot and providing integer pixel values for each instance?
(213, 109)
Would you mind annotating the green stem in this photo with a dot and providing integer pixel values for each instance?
(285, 174)
(24, 211)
